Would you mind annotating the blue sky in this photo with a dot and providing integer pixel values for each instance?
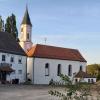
(66, 23)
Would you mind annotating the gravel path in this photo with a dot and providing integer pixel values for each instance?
(25, 92)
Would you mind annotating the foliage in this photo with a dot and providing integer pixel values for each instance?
(77, 91)
(1, 24)
(94, 69)
(10, 26)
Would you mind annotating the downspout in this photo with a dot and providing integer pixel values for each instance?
(33, 69)
(26, 67)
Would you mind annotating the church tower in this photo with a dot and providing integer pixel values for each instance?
(26, 32)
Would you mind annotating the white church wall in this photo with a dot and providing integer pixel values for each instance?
(16, 66)
(39, 69)
(30, 68)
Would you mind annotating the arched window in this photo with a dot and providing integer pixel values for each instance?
(47, 69)
(27, 35)
(81, 68)
(88, 80)
(59, 70)
(70, 70)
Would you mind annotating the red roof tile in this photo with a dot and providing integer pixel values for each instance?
(52, 52)
(82, 74)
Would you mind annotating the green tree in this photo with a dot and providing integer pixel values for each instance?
(78, 91)
(10, 26)
(1, 24)
(94, 69)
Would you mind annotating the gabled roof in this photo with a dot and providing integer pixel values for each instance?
(26, 18)
(52, 52)
(8, 44)
(82, 74)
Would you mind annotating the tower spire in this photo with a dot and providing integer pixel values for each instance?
(26, 19)
(26, 32)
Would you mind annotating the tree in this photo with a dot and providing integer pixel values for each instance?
(11, 27)
(94, 69)
(78, 91)
(1, 24)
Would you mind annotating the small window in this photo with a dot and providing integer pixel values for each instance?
(59, 70)
(76, 80)
(46, 69)
(81, 68)
(19, 71)
(12, 59)
(92, 81)
(3, 57)
(88, 80)
(27, 35)
(70, 70)
(20, 60)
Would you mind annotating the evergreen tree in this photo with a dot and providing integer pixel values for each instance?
(1, 24)
(10, 26)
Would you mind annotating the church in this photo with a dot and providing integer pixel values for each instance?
(45, 62)
(37, 62)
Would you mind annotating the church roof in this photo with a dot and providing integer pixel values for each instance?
(26, 18)
(82, 74)
(8, 44)
(52, 52)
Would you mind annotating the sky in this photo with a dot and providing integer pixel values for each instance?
(65, 23)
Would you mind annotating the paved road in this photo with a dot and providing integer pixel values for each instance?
(25, 92)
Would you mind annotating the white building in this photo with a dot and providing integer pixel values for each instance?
(82, 76)
(12, 59)
(48, 62)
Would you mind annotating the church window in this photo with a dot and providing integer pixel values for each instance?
(81, 68)
(3, 57)
(70, 70)
(59, 70)
(27, 35)
(12, 59)
(47, 69)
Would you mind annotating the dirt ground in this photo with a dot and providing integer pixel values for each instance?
(25, 92)
(31, 92)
